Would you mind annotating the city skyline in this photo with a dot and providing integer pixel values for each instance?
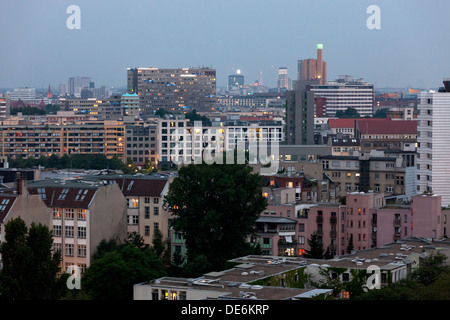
(252, 36)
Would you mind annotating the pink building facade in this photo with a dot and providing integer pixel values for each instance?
(284, 229)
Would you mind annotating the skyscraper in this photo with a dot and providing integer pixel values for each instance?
(312, 69)
(283, 79)
(235, 80)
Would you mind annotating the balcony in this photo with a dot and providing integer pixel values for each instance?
(397, 236)
(333, 234)
(333, 220)
(319, 219)
(397, 223)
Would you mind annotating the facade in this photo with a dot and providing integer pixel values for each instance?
(83, 213)
(141, 144)
(386, 133)
(434, 144)
(283, 82)
(144, 203)
(341, 96)
(235, 81)
(367, 171)
(17, 202)
(173, 89)
(299, 117)
(5, 107)
(130, 104)
(87, 137)
(23, 94)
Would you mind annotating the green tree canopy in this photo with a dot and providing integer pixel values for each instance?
(29, 269)
(315, 250)
(112, 276)
(215, 208)
(348, 113)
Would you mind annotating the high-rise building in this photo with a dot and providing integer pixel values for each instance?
(235, 81)
(283, 82)
(312, 69)
(434, 142)
(76, 84)
(23, 94)
(300, 116)
(173, 89)
(341, 96)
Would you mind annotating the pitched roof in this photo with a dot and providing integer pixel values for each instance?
(6, 202)
(64, 194)
(140, 187)
(387, 126)
(341, 123)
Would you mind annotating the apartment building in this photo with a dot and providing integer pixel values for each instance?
(375, 170)
(144, 196)
(17, 202)
(386, 133)
(25, 140)
(284, 229)
(82, 214)
(173, 89)
(141, 144)
(434, 143)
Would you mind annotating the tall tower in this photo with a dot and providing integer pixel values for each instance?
(321, 70)
(49, 93)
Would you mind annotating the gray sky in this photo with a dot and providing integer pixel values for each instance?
(36, 48)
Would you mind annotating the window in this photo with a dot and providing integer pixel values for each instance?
(69, 214)
(155, 226)
(81, 250)
(63, 194)
(57, 213)
(57, 231)
(69, 250)
(147, 200)
(81, 232)
(4, 204)
(147, 212)
(69, 232)
(81, 194)
(301, 227)
(133, 203)
(301, 239)
(41, 193)
(156, 211)
(147, 230)
(81, 214)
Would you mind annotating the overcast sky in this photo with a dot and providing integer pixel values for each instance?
(410, 50)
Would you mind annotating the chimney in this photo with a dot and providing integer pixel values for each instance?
(21, 183)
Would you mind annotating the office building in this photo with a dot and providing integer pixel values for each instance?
(235, 81)
(283, 82)
(24, 94)
(173, 89)
(340, 96)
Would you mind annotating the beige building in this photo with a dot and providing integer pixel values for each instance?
(83, 213)
(144, 201)
(17, 202)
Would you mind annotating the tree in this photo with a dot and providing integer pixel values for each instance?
(381, 113)
(215, 208)
(315, 248)
(194, 116)
(112, 276)
(159, 245)
(29, 269)
(350, 245)
(348, 113)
